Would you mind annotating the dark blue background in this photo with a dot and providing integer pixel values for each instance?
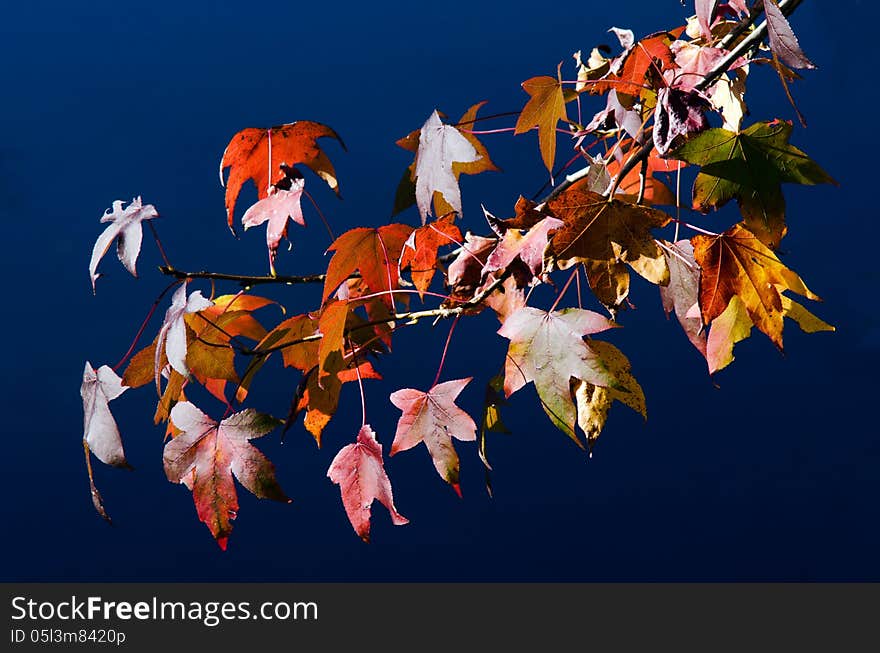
(775, 476)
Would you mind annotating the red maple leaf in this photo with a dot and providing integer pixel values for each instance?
(360, 474)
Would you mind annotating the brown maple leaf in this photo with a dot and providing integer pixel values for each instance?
(598, 229)
(736, 263)
(544, 110)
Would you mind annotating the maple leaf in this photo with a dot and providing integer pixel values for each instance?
(276, 208)
(440, 146)
(548, 348)
(682, 292)
(405, 196)
(736, 263)
(360, 473)
(492, 403)
(206, 455)
(599, 229)
(750, 166)
(734, 325)
(678, 113)
(248, 157)
(373, 252)
(595, 67)
(465, 273)
(507, 299)
(321, 400)
(319, 390)
(209, 355)
(609, 281)
(233, 314)
(483, 162)
(172, 394)
(420, 250)
(694, 62)
(626, 37)
(286, 336)
(730, 327)
(125, 228)
(331, 347)
(544, 110)
(100, 432)
(172, 340)
(594, 401)
(727, 97)
(705, 15)
(614, 115)
(528, 247)
(526, 216)
(783, 42)
(629, 74)
(491, 421)
(433, 418)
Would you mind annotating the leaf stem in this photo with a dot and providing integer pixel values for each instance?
(97, 501)
(481, 132)
(504, 114)
(320, 215)
(158, 242)
(357, 371)
(564, 288)
(694, 227)
(445, 349)
(143, 326)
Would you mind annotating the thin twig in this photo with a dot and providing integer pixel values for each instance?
(245, 280)
(158, 242)
(143, 326)
(445, 350)
(441, 312)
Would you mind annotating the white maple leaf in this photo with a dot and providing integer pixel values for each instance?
(172, 334)
(100, 432)
(276, 209)
(125, 228)
(439, 147)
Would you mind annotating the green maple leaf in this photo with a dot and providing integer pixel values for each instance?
(750, 166)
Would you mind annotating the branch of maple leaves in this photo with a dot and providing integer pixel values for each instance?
(751, 41)
(282, 201)
(640, 157)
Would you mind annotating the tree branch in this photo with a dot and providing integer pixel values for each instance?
(246, 281)
(412, 317)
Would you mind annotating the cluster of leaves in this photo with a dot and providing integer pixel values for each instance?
(661, 94)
